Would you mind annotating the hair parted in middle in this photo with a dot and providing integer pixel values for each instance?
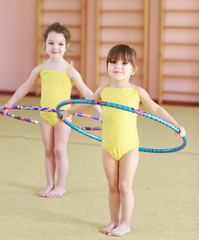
(124, 52)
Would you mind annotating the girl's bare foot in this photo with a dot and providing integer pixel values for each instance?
(56, 192)
(120, 230)
(45, 192)
(109, 228)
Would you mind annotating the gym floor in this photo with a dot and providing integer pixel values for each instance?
(165, 185)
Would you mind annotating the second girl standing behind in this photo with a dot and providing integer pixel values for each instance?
(57, 77)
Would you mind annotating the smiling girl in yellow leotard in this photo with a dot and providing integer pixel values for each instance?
(119, 134)
(57, 77)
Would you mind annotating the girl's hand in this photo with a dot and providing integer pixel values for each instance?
(182, 132)
(65, 115)
(3, 112)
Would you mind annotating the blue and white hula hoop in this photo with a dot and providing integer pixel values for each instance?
(125, 108)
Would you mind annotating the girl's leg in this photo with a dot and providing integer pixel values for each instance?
(61, 135)
(47, 137)
(111, 167)
(127, 167)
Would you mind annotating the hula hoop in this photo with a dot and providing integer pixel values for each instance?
(125, 108)
(35, 108)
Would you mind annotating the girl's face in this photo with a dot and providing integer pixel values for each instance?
(120, 70)
(55, 45)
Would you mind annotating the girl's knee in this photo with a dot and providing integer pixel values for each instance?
(113, 187)
(49, 153)
(125, 188)
(59, 152)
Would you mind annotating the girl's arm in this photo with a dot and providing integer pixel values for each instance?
(157, 110)
(79, 83)
(82, 107)
(81, 86)
(25, 87)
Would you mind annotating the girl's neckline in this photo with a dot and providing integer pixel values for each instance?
(120, 87)
(52, 70)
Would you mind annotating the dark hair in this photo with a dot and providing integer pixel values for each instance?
(58, 28)
(124, 52)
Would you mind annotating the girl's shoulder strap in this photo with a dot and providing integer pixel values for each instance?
(42, 65)
(104, 87)
(69, 65)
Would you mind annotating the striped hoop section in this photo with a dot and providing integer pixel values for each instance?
(125, 108)
(36, 108)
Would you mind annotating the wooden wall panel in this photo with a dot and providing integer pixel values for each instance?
(179, 45)
(122, 22)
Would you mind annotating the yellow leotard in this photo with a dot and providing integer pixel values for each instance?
(56, 87)
(119, 127)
